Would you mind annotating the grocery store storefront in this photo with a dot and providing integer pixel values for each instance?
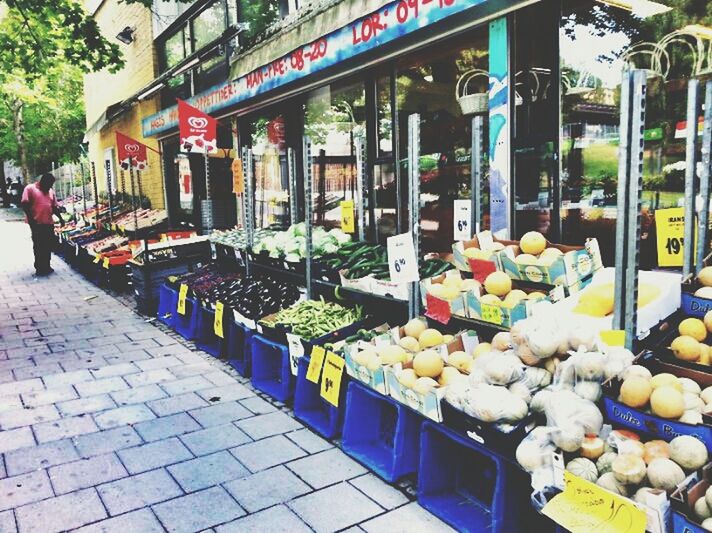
(551, 72)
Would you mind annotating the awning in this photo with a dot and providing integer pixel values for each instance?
(110, 113)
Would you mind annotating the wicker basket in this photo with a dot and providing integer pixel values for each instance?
(471, 103)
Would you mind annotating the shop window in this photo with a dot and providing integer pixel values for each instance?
(335, 117)
(174, 50)
(384, 117)
(664, 39)
(427, 84)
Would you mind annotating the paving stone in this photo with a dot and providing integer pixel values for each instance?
(127, 357)
(101, 386)
(130, 414)
(213, 439)
(181, 352)
(194, 369)
(267, 425)
(92, 404)
(226, 393)
(107, 441)
(168, 426)
(146, 393)
(86, 473)
(267, 452)
(7, 522)
(10, 402)
(266, 488)
(207, 471)
(177, 404)
(82, 363)
(159, 362)
(67, 378)
(143, 521)
(19, 362)
(3, 471)
(219, 378)
(64, 428)
(309, 441)
(411, 518)
(23, 489)
(18, 387)
(41, 456)
(29, 372)
(63, 513)
(325, 468)
(109, 371)
(198, 511)
(6, 376)
(152, 376)
(334, 508)
(221, 413)
(379, 491)
(154, 455)
(16, 438)
(53, 395)
(278, 519)
(138, 491)
(184, 385)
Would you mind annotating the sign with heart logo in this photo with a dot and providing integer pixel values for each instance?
(131, 152)
(198, 131)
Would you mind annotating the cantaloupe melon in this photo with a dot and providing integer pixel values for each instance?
(667, 402)
(635, 391)
(689, 452)
(665, 474)
(628, 469)
(656, 449)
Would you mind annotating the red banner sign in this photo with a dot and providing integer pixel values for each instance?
(130, 150)
(198, 130)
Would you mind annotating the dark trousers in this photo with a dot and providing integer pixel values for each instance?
(42, 244)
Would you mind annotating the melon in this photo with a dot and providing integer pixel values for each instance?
(707, 320)
(525, 259)
(502, 341)
(605, 462)
(410, 343)
(691, 417)
(707, 524)
(686, 348)
(667, 402)
(534, 243)
(447, 339)
(459, 360)
(609, 482)
(414, 327)
(583, 468)
(693, 327)
(705, 276)
(515, 296)
(428, 363)
(592, 447)
(536, 295)
(391, 354)
(637, 370)
(483, 347)
(689, 452)
(449, 375)
(706, 394)
(631, 447)
(656, 449)
(702, 510)
(690, 386)
(704, 354)
(407, 377)
(665, 474)
(635, 392)
(554, 252)
(498, 283)
(430, 337)
(490, 299)
(704, 292)
(665, 379)
(424, 385)
(708, 497)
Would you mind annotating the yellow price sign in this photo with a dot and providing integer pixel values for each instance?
(97, 258)
(584, 506)
(315, 364)
(331, 378)
(218, 322)
(491, 313)
(113, 227)
(106, 263)
(613, 337)
(182, 293)
(347, 216)
(670, 230)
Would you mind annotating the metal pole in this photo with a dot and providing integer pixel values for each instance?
(96, 192)
(703, 222)
(690, 169)
(239, 197)
(140, 189)
(293, 201)
(249, 201)
(208, 199)
(414, 202)
(74, 198)
(361, 188)
(476, 174)
(133, 197)
(84, 189)
(308, 209)
(107, 166)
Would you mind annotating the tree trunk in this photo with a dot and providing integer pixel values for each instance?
(19, 130)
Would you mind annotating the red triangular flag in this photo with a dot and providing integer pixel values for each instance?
(198, 130)
(131, 150)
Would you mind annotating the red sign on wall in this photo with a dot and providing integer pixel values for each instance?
(198, 130)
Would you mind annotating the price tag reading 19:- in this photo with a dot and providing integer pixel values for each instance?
(402, 263)
(218, 322)
(331, 378)
(182, 293)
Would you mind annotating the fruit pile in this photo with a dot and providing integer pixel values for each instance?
(499, 291)
(704, 278)
(690, 344)
(598, 300)
(534, 251)
(451, 286)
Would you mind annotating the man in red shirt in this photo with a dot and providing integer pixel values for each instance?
(40, 203)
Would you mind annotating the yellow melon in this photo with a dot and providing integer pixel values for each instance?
(686, 348)
(415, 327)
(490, 299)
(429, 338)
(459, 360)
(515, 296)
(483, 347)
(693, 327)
(428, 363)
(704, 292)
(664, 379)
(705, 276)
(410, 343)
(533, 243)
(525, 259)
(708, 320)
(667, 402)
(407, 377)
(635, 392)
(498, 283)
(448, 376)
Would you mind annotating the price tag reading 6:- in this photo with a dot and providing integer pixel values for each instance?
(402, 263)
(218, 322)
(461, 220)
(331, 378)
(182, 293)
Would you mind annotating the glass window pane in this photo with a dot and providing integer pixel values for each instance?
(259, 14)
(173, 50)
(384, 117)
(208, 25)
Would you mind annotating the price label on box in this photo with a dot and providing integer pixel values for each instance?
(670, 227)
(106, 263)
(491, 313)
(296, 352)
(218, 322)
(182, 293)
(437, 309)
(402, 263)
(331, 378)
(315, 364)
(347, 216)
(461, 221)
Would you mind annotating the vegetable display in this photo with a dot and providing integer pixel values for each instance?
(312, 319)
(237, 238)
(203, 280)
(254, 296)
(292, 243)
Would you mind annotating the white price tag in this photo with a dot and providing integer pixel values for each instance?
(461, 220)
(402, 262)
(296, 351)
(485, 239)
(470, 340)
(213, 251)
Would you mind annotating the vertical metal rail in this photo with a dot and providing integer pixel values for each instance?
(239, 197)
(293, 193)
(249, 202)
(414, 203)
(476, 174)
(208, 196)
(690, 170)
(107, 167)
(96, 192)
(140, 189)
(133, 197)
(361, 188)
(308, 209)
(84, 189)
(703, 220)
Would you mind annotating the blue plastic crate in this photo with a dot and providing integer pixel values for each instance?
(187, 325)
(381, 433)
(167, 303)
(467, 485)
(312, 409)
(207, 340)
(238, 349)
(271, 371)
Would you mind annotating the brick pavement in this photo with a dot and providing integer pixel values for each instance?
(110, 423)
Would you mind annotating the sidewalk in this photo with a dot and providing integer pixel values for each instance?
(109, 423)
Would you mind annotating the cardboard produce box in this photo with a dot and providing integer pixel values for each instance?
(682, 501)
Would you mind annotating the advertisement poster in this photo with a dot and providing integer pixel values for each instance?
(185, 183)
(131, 150)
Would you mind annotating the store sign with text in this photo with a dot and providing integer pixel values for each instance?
(392, 21)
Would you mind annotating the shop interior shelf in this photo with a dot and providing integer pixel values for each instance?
(380, 433)
(206, 339)
(312, 409)
(271, 371)
(186, 325)
(238, 351)
(167, 303)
